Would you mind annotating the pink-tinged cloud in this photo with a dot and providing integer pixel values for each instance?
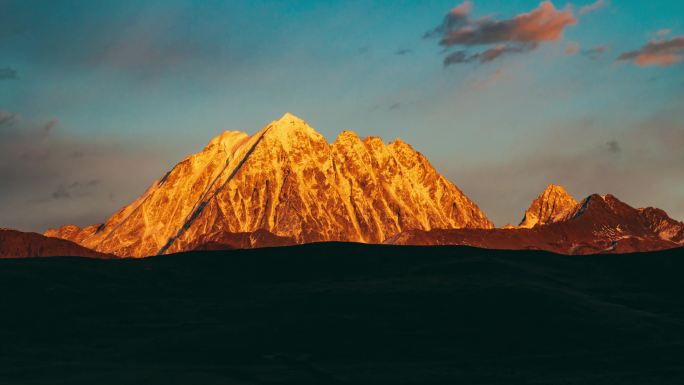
(595, 6)
(663, 32)
(572, 49)
(546, 23)
(455, 19)
(657, 53)
(462, 10)
(521, 33)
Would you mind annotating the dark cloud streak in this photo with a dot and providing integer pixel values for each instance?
(8, 73)
(6, 118)
(461, 57)
(657, 53)
(595, 53)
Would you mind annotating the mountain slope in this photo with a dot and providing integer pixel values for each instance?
(18, 244)
(285, 180)
(599, 224)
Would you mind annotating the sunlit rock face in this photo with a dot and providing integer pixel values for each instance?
(289, 184)
(549, 206)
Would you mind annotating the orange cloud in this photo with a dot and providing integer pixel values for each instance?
(657, 53)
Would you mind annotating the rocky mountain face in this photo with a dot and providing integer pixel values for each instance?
(549, 206)
(15, 244)
(283, 185)
(598, 224)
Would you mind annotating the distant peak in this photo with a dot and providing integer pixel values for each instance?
(595, 197)
(605, 203)
(556, 188)
(549, 206)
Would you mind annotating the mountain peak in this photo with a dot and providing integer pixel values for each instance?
(346, 136)
(290, 119)
(601, 205)
(289, 128)
(548, 207)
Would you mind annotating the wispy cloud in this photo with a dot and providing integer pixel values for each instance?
(572, 48)
(491, 54)
(595, 6)
(521, 33)
(657, 53)
(50, 125)
(613, 146)
(663, 32)
(595, 53)
(6, 117)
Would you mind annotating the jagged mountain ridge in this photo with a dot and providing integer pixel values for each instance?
(598, 224)
(288, 181)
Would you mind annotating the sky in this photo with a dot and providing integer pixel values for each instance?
(100, 98)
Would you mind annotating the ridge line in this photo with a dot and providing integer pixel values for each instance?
(202, 204)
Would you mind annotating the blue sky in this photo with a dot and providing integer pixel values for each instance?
(118, 91)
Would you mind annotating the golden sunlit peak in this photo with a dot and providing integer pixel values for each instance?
(290, 128)
(556, 188)
(399, 142)
(347, 135)
(550, 206)
(290, 118)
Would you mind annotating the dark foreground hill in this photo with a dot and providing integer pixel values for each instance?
(345, 314)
